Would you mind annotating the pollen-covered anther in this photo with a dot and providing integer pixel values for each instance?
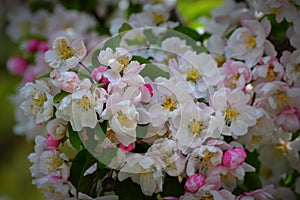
(195, 127)
(250, 42)
(170, 104)
(85, 103)
(64, 50)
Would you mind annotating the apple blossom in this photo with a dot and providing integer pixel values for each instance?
(37, 101)
(65, 54)
(289, 119)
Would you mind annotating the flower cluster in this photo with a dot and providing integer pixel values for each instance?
(167, 115)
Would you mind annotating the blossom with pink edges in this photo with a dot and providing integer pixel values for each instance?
(289, 119)
(235, 74)
(194, 182)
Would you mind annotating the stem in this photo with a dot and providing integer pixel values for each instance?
(85, 67)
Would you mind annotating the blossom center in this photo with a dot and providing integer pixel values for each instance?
(193, 75)
(55, 162)
(250, 42)
(123, 60)
(64, 50)
(282, 99)
(157, 18)
(111, 135)
(123, 119)
(271, 74)
(207, 196)
(282, 148)
(85, 103)
(207, 159)
(274, 10)
(219, 59)
(170, 103)
(195, 127)
(233, 80)
(297, 67)
(230, 115)
(40, 100)
(256, 139)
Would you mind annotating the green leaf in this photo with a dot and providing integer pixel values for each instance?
(172, 187)
(189, 32)
(252, 181)
(252, 159)
(95, 61)
(151, 37)
(191, 37)
(125, 27)
(104, 126)
(58, 97)
(74, 137)
(82, 161)
(128, 190)
(87, 6)
(134, 8)
(140, 59)
(153, 71)
(106, 155)
(46, 75)
(113, 42)
(141, 131)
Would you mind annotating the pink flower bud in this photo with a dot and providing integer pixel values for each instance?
(17, 65)
(289, 119)
(43, 47)
(51, 142)
(126, 149)
(194, 182)
(233, 158)
(32, 45)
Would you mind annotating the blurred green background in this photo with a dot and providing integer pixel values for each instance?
(15, 176)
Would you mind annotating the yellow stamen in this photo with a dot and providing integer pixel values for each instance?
(230, 115)
(170, 104)
(219, 59)
(271, 74)
(64, 50)
(297, 68)
(256, 139)
(282, 99)
(193, 75)
(40, 100)
(233, 80)
(123, 119)
(157, 18)
(206, 160)
(250, 42)
(282, 148)
(85, 103)
(111, 135)
(274, 10)
(195, 127)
